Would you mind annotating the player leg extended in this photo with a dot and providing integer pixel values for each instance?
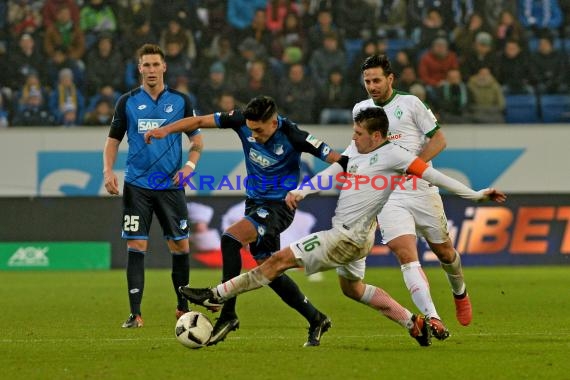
(262, 275)
(260, 229)
(172, 213)
(432, 223)
(351, 282)
(398, 228)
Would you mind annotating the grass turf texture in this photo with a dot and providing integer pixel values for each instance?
(66, 325)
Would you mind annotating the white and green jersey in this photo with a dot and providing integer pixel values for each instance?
(367, 186)
(411, 124)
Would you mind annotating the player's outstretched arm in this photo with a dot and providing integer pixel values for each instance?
(419, 168)
(188, 124)
(312, 186)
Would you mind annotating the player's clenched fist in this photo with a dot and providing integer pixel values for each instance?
(157, 133)
(293, 198)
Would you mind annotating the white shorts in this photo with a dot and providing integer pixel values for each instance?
(405, 216)
(324, 250)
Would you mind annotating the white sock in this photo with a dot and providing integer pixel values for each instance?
(378, 299)
(245, 282)
(418, 286)
(455, 275)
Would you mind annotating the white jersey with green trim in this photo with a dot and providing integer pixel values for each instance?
(369, 181)
(411, 124)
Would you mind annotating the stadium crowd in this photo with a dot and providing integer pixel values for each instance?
(64, 62)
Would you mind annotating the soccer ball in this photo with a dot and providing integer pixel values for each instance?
(193, 330)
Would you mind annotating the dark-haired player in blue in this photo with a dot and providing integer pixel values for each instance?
(272, 146)
(151, 175)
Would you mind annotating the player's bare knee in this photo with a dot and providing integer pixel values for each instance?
(352, 289)
(137, 245)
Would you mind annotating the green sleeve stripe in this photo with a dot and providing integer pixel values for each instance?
(433, 131)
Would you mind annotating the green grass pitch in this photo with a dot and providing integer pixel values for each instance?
(66, 325)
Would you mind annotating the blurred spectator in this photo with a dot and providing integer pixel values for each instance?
(335, 100)
(129, 12)
(164, 11)
(257, 81)
(31, 82)
(435, 63)
(106, 93)
(515, 71)
(418, 89)
(463, 36)
(96, 17)
(325, 58)
(406, 79)
(24, 17)
(540, 15)
(493, 9)
(60, 60)
(212, 14)
(183, 85)
(210, 90)
(141, 34)
(453, 99)
(433, 26)
(292, 55)
(509, 28)
(241, 12)
(277, 11)
(324, 26)
(66, 101)
(105, 66)
(390, 18)
(292, 34)
(178, 64)
(31, 108)
(101, 115)
(354, 74)
(488, 101)
(355, 18)
(222, 51)
(226, 102)
(298, 95)
(401, 60)
(176, 32)
(24, 59)
(480, 55)
(51, 9)
(249, 51)
(548, 64)
(64, 34)
(258, 30)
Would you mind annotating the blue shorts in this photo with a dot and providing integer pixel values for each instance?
(139, 205)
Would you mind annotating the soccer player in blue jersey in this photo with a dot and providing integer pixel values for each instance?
(151, 175)
(272, 146)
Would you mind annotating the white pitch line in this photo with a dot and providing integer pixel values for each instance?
(275, 337)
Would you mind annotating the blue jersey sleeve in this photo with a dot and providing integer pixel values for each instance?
(119, 122)
(303, 141)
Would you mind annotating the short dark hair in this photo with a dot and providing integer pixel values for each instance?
(149, 49)
(377, 60)
(260, 108)
(373, 119)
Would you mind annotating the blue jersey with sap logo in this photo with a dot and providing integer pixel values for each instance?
(273, 168)
(151, 166)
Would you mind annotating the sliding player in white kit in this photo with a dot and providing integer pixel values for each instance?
(414, 127)
(367, 178)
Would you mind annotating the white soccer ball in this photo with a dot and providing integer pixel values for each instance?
(193, 330)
